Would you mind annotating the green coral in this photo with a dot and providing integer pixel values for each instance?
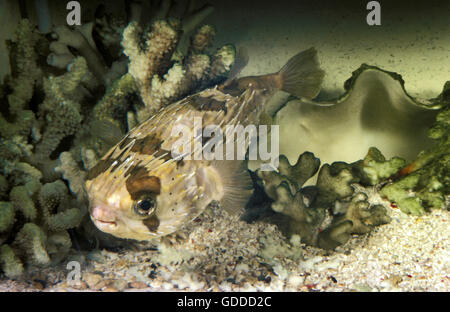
(25, 74)
(22, 202)
(45, 239)
(306, 166)
(334, 183)
(355, 214)
(7, 216)
(51, 196)
(375, 168)
(416, 188)
(306, 208)
(29, 244)
(359, 218)
(284, 187)
(115, 103)
(61, 106)
(400, 194)
(10, 263)
(425, 183)
(33, 226)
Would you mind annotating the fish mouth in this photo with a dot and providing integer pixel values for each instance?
(102, 224)
(103, 218)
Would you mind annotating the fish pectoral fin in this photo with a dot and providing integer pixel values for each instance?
(237, 186)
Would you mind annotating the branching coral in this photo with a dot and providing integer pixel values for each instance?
(115, 104)
(81, 40)
(40, 212)
(61, 111)
(417, 187)
(160, 79)
(57, 120)
(107, 34)
(73, 174)
(333, 195)
(7, 216)
(51, 196)
(159, 45)
(43, 223)
(43, 110)
(25, 74)
(9, 262)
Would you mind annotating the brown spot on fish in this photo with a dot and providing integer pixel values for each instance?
(140, 183)
(136, 171)
(147, 145)
(104, 164)
(231, 87)
(133, 170)
(202, 103)
(152, 223)
(101, 166)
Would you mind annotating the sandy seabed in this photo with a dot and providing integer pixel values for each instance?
(222, 253)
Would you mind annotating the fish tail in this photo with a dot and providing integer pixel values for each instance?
(302, 76)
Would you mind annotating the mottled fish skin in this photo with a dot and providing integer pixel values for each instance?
(141, 163)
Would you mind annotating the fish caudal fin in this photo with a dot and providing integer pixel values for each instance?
(302, 76)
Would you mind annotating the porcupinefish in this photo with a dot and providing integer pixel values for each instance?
(139, 191)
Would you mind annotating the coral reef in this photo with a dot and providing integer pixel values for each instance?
(392, 120)
(162, 75)
(328, 213)
(24, 76)
(424, 184)
(44, 108)
(40, 215)
(34, 222)
(62, 105)
(70, 96)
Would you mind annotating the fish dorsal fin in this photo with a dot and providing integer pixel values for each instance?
(236, 184)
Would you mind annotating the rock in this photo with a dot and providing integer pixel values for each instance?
(80, 285)
(92, 279)
(120, 284)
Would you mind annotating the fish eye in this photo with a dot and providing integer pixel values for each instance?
(145, 206)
